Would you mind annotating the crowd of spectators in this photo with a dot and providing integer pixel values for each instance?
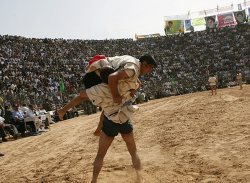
(37, 70)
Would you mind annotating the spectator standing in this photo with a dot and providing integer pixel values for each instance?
(239, 80)
(213, 84)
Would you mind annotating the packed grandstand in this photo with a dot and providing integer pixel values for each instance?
(36, 69)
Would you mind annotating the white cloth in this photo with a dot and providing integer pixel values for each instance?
(100, 94)
(118, 62)
(212, 81)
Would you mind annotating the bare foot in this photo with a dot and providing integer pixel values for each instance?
(97, 132)
(60, 114)
(139, 177)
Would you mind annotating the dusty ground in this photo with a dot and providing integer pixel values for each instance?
(191, 138)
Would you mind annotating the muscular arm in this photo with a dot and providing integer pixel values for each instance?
(113, 84)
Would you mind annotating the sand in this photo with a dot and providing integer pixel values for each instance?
(196, 138)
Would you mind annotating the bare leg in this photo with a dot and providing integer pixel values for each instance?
(104, 143)
(75, 101)
(211, 90)
(99, 127)
(130, 142)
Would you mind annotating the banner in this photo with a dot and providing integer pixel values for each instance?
(225, 19)
(222, 16)
(240, 17)
(188, 26)
(174, 26)
(211, 22)
(198, 24)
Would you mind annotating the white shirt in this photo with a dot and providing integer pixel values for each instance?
(212, 81)
(100, 95)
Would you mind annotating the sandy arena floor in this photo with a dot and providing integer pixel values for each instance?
(193, 138)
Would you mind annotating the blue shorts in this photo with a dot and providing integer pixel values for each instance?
(112, 129)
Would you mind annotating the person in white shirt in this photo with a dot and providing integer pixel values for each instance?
(213, 84)
(239, 80)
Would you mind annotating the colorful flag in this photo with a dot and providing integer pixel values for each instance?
(211, 22)
(188, 26)
(198, 22)
(174, 26)
(240, 17)
(226, 19)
